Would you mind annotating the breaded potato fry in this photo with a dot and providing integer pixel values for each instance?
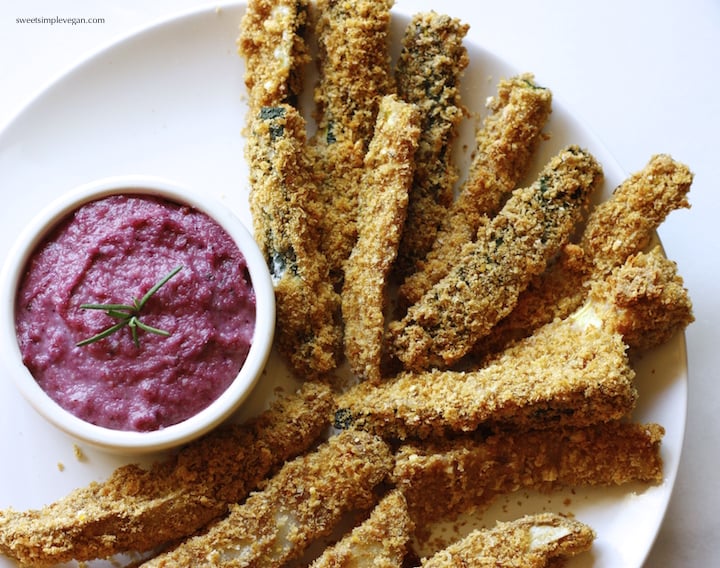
(445, 478)
(283, 203)
(619, 227)
(483, 287)
(271, 42)
(302, 502)
(565, 374)
(505, 144)
(383, 203)
(138, 509)
(354, 74)
(427, 74)
(379, 542)
(534, 541)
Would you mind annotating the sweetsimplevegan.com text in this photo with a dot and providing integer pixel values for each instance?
(59, 20)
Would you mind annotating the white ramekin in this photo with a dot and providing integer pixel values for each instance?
(130, 442)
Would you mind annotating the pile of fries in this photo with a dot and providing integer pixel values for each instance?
(489, 328)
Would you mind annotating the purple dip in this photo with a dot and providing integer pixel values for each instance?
(114, 250)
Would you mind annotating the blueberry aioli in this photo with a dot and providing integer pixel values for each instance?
(111, 251)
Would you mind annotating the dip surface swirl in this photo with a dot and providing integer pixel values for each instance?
(114, 250)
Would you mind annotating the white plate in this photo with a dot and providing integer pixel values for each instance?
(169, 101)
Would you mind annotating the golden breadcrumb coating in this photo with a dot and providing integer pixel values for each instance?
(567, 373)
(621, 226)
(283, 203)
(338, 168)
(445, 478)
(272, 44)
(510, 250)
(354, 68)
(570, 371)
(139, 509)
(383, 203)
(302, 502)
(354, 74)
(505, 144)
(379, 542)
(427, 74)
(625, 224)
(648, 303)
(284, 199)
(533, 541)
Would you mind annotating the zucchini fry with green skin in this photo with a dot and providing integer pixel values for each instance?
(271, 42)
(302, 502)
(354, 68)
(505, 145)
(568, 373)
(510, 250)
(284, 207)
(383, 202)
(139, 509)
(354, 74)
(382, 541)
(617, 228)
(534, 541)
(428, 73)
(445, 478)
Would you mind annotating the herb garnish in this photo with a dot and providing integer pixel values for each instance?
(128, 315)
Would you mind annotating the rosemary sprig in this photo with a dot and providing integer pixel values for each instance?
(128, 315)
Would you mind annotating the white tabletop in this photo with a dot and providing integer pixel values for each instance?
(643, 75)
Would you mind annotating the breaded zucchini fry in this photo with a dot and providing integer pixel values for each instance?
(271, 42)
(138, 509)
(383, 201)
(534, 541)
(511, 249)
(302, 502)
(283, 203)
(625, 224)
(354, 70)
(428, 73)
(505, 145)
(621, 226)
(379, 542)
(443, 479)
(567, 373)
(645, 300)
